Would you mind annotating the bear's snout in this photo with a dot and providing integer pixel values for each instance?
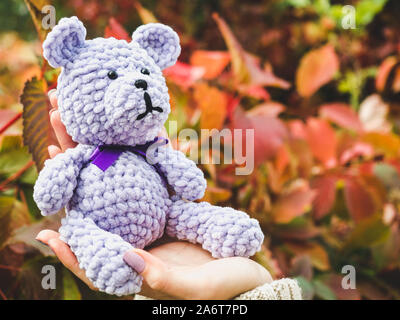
(141, 84)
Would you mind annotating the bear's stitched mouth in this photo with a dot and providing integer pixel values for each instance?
(149, 107)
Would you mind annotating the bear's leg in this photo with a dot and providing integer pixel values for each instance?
(100, 254)
(225, 232)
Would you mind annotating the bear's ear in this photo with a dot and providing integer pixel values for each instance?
(64, 41)
(160, 42)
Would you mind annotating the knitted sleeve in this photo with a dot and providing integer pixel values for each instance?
(283, 289)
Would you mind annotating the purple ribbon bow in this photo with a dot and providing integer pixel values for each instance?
(105, 155)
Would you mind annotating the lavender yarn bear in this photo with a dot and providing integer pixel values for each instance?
(112, 96)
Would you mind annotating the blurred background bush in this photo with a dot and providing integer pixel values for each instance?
(322, 98)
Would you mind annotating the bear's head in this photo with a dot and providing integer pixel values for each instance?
(111, 91)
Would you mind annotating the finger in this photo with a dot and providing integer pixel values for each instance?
(227, 278)
(68, 259)
(45, 235)
(53, 150)
(64, 139)
(153, 269)
(53, 98)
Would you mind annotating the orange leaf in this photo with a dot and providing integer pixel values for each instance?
(316, 69)
(383, 72)
(322, 140)
(293, 204)
(116, 30)
(213, 106)
(214, 62)
(342, 115)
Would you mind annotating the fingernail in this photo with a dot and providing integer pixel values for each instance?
(51, 111)
(51, 92)
(42, 242)
(135, 261)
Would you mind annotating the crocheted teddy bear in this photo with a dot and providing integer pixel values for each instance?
(113, 100)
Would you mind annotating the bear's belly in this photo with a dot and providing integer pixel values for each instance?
(128, 199)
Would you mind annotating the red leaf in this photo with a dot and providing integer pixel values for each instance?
(214, 62)
(253, 91)
(183, 74)
(116, 30)
(269, 133)
(358, 200)
(316, 69)
(322, 140)
(325, 186)
(342, 115)
(233, 102)
(358, 149)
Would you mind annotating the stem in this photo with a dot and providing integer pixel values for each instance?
(2, 295)
(2, 266)
(11, 122)
(16, 175)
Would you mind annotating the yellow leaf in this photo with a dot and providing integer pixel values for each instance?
(36, 122)
(145, 15)
(319, 257)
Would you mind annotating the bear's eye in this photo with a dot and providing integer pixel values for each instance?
(112, 75)
(145, 71)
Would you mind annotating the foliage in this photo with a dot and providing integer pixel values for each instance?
(323, 102)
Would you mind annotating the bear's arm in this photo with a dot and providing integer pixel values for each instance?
(57, 180)
(182, 174)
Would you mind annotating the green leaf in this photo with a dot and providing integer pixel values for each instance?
(366, 10)
(36, 120)
(323, 291)
(387, 174)
(13, 160)
(70, 288)
(6, 207)
(11, 143)
(307, 288)
(370, 231)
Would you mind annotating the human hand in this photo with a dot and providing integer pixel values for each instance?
(179, 270)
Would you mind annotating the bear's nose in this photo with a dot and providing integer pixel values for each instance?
(141, 84)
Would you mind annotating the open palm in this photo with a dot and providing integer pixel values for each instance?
(170, 269)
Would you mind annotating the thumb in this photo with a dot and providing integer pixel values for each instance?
(152, 269)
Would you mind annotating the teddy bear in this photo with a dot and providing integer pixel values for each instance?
(113, 101)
